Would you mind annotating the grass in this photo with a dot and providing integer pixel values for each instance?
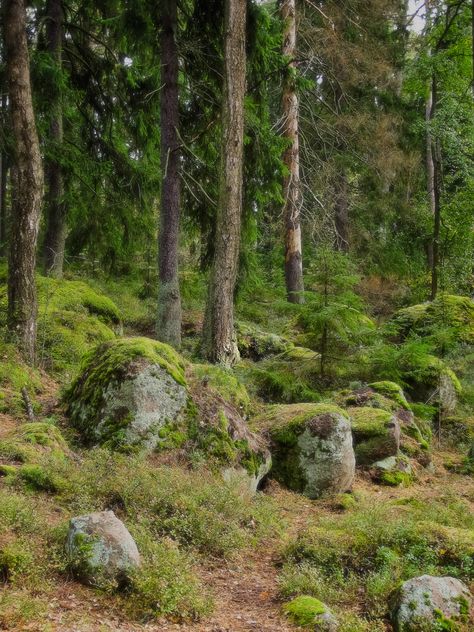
(363, 554)
(176, 524)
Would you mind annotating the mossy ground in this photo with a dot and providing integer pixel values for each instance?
(197, 535)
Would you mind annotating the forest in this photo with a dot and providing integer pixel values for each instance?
(237, 315)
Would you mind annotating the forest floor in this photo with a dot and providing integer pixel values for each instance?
(245, 589)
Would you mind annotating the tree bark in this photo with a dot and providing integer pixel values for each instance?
(291, 159)
(341, 212)
(3, 178)
(55, 237)
(435, 198)
(430, 169)
(27, 183)
(219, 342)
(169, 300)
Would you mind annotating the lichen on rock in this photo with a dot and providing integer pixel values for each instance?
(426, 602)
(101, 551)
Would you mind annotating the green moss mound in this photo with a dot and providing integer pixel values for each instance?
(225, 382)
(284, 423)
(14, 376)
(374, 434)
(304, 610)
(391, 391)
(72, 319)
(455, 313)
(28, 442)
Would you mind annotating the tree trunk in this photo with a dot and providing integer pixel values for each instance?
(436, 199)
(341, 212)
(219, 343)
(291, 159)
(55, 237)
(169, 300)
(430, 169)
(3, 177)
(27, 183)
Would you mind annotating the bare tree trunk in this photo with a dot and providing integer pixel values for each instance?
(219, 343)
(436, 199)
(291, 159)
(430, 169)
(341, 214)
(27, 183)
(169, 300)
(55, 237)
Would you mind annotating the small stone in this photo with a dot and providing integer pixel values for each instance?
(101, 550)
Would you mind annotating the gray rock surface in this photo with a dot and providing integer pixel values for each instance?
(148, 400)
(101, 550)
(422, 601)
(311, 447)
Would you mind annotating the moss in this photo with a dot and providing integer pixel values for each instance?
(75, 296)
(225, 382)
(454, 312)
(38, 478)
(28, 442)
(304, 610)
(14, 561)
(14, 376)
(392, 391)
(65, 336)
(395, 479)
(285, 423)
(9, 471)
(370, 422)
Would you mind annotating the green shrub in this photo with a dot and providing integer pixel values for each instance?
(15, 559)
(367, 552)
(166, 584)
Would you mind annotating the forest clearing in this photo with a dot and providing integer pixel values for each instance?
(237, 316)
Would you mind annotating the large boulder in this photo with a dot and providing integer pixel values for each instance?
(137, 394)
(426, 602)
(127, 392)
(376, 434)
(311, 447)
(101, 550)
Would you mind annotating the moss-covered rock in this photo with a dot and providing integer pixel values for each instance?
(311, 447)
(101, 550)
(431, 603)
(455, 313)
(256, 344)
(376, 434)
(128, 390)
(226, 383)
(308, 612)
(393, 471)
(218, 432)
